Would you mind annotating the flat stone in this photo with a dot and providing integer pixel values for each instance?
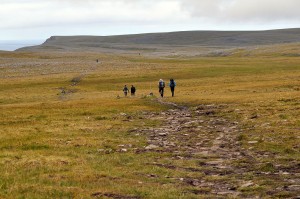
(284, 173)
(248, 184)
(252, 142)
(151, 146)
(294, 187)
(216, 162)
(171, 144)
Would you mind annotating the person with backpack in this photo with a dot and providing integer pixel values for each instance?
(172, 85)
(125, 90)
(132, 90)
(161, 86)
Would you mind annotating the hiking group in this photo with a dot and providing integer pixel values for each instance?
(126, 90)
(161, 88)
(162, 85)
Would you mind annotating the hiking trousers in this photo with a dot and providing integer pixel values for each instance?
(172, 90)
(161, 91)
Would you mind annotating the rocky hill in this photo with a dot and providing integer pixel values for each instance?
(172, 40)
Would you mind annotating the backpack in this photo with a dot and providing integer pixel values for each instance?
(161, 84)
(172, 84)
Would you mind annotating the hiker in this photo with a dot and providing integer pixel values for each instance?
(172, 85)
(161, 86)
(125, 90)
(132, 90)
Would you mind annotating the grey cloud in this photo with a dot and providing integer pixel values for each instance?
(245, 11)
(145, 15)
(45, 12)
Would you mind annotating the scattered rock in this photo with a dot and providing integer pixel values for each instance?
(216, 162)
(293, 188)
(247, 184)
(162, 134)
(215, 144)
(153, 176)
(210, 112)
(252, 142)
(193, 182)
(151, 146)
(254, 116)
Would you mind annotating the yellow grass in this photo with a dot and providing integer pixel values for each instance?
(55, 145)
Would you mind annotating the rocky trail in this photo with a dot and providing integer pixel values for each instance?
(213, 141)
(66, 91)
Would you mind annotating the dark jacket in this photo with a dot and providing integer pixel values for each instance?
(133, 89)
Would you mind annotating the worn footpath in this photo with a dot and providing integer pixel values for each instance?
(200, 133)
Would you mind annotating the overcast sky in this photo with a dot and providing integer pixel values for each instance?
(40, 19)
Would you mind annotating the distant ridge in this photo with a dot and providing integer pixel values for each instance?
(184, 38)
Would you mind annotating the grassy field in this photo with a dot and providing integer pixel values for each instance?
(64, 133)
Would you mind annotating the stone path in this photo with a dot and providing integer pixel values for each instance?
(199, 133)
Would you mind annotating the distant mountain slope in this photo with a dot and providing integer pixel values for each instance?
(223, 39)
(232, 38)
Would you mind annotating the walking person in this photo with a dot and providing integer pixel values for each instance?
(161, 87)
(172, 85)
(132, 90)
(125, 90)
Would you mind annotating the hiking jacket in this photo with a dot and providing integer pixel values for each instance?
(133, 89)
(173, 84)
(125, 89)
(161, 84)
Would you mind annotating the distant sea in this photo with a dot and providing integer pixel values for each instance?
(11, 45)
